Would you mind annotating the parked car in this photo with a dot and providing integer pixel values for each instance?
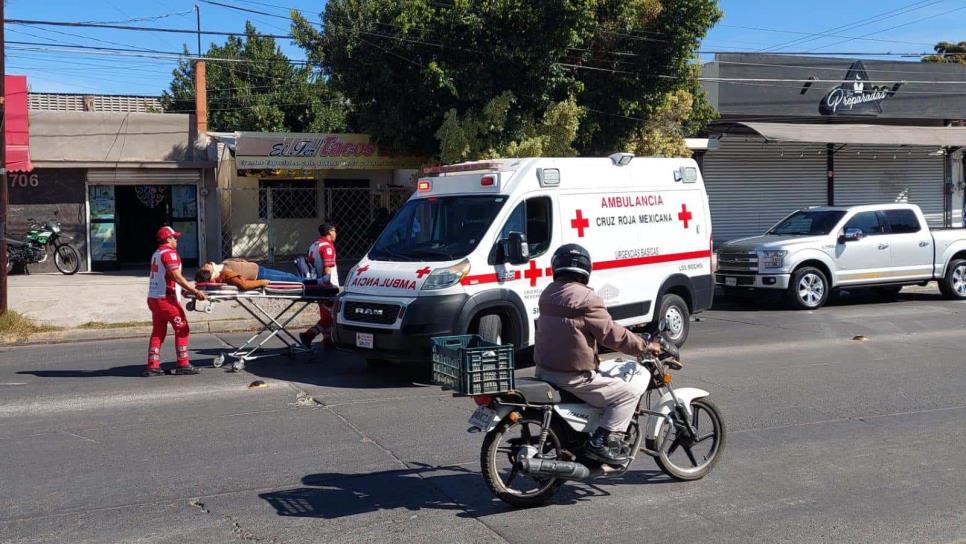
(470, 251)
(814, 251)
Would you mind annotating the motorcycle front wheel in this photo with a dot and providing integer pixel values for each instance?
(684, 457)
(504, 447)
(11, 263)
(66, 259)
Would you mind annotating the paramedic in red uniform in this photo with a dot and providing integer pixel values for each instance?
(321, 258)
(164, 301)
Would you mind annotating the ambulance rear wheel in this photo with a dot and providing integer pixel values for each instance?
(675, 312)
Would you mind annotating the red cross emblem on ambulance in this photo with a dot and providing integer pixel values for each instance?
(580, 223)
(533, 273)
(423, 272)
(685, 216)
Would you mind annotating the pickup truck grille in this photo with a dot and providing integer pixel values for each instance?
(740, 261)
(368, 312)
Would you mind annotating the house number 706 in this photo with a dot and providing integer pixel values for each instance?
(21, 179)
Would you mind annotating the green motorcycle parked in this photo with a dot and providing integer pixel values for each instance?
(42, 240)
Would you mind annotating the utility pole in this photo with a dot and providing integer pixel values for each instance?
(4, 188)
(198, 20)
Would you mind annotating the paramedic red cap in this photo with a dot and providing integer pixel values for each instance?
(166, 232)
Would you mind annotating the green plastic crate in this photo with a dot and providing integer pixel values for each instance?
(470, 365)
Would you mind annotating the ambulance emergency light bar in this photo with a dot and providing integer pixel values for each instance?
(476, 166)
(425, 185)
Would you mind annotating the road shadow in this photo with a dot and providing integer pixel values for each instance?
(453, 488)
(336, 369)
(128, 371)
(757, 301)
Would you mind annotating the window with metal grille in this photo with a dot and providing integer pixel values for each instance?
(288, 199)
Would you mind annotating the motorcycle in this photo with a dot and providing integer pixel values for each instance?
(42, 240)
(535, 432)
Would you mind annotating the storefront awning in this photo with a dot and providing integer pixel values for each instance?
(16, 125)
(861, 134)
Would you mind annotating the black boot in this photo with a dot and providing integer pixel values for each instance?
(186, 370)
(152, 371)
(605, 446)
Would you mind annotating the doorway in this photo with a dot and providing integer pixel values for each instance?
(141, 211)
(125, 218)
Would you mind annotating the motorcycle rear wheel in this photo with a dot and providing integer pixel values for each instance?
(66, 259)
(691, 466)
(503, 444)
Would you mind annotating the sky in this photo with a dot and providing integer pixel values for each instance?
(858, 26)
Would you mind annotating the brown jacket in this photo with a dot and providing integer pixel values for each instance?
(234, 278)
(572, 322)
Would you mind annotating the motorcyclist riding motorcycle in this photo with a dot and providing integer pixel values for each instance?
(573, 322)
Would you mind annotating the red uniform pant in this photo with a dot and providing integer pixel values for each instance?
(165, 311)
(324, 326)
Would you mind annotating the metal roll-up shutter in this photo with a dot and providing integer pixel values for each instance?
(752, 185)
(883, 175)
(143, 176)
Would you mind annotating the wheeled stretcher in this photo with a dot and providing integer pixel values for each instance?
(296, 297)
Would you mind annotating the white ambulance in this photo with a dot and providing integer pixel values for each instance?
(470, 251)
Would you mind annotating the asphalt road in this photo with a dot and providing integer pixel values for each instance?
(830, 440)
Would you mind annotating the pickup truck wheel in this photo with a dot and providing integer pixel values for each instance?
(953, 286)
(808, 289)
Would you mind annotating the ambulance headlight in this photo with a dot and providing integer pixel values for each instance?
(773, 258)
(441, 278)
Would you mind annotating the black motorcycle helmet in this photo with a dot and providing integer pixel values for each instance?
(571, 260)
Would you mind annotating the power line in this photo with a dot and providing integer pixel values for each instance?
(947, 12)
(33, 22)
(861, 22)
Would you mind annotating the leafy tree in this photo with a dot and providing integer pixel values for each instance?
(257, 88)
(472, 79)
(948, 52)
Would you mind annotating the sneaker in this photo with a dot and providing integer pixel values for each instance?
(185, 370)
(152, 371)
(606, 448)
(306, 340)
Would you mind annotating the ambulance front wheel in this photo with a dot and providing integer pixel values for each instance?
(675, 312)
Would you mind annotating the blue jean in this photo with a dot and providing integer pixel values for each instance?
(271, 274)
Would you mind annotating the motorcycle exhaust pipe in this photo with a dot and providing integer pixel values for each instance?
(552, 468)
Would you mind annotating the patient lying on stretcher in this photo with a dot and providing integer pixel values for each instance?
(244, 275)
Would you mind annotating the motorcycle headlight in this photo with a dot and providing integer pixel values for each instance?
(773, 258)
(441, 278)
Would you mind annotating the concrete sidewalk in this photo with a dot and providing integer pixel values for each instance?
(114, 298)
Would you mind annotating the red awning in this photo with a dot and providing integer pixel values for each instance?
(16, 125)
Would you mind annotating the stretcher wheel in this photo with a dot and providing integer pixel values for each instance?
(238, 366)
(209, 307)
(219, 361)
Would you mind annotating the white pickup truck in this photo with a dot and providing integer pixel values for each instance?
(815, 250)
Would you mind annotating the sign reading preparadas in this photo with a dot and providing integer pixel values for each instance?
(289, 151)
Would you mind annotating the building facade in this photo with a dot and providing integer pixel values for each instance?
(275, 189)
(112, 179)
(805, 131)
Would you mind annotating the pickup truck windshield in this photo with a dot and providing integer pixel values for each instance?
(808, 223)
(437, 229)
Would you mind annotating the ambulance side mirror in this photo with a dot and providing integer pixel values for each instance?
(515, 248)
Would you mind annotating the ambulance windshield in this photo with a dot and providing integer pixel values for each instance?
(808, 223)
(437, 229)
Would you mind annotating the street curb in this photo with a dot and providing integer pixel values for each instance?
(120, 333)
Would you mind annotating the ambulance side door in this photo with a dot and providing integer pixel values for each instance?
(535, 217)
